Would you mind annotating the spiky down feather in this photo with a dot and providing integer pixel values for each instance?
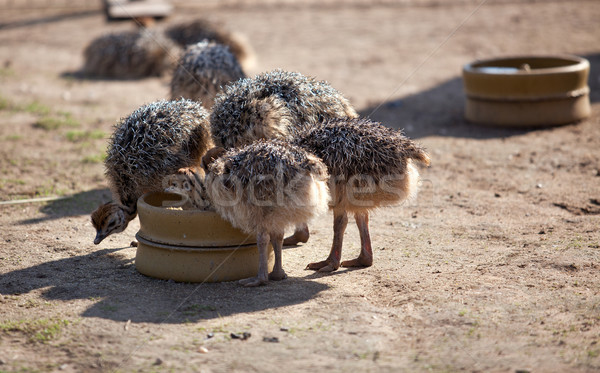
(283, 100)
(154, 141)
(130, 54)
(202, 72)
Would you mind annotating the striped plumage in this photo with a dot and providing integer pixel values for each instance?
(189, 183)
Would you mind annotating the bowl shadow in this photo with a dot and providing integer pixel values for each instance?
(120, 293)
(439, 111)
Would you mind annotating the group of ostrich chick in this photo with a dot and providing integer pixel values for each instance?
(201, 56)
(267, 153)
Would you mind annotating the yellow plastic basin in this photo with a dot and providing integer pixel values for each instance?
(527, 90)
(191, 245)
(161, 222)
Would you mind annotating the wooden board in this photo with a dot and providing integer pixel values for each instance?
(122, 9)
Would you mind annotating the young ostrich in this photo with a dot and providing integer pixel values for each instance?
(130, 55)
(275, 104)
(156, 140)
(370, 166)
(264, 188)
(189, 183)
(203, 71)
(198, 30)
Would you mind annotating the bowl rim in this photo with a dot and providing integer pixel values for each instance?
(577, 64)
(193, 249)
(186, 227)
(162, 209)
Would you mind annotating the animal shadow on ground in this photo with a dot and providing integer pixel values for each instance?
(82, 203)
(82, 76)
(439, 111)
(48, 19)
(594, 79)
(121, 293)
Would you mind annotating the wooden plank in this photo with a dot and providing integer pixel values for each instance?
(119, 9)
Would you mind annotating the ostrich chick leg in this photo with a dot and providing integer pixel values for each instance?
(301, 234)
(340, 221)
(278, 272)
(365, 258)
(262, 242)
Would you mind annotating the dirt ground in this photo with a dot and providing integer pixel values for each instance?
(495, 267)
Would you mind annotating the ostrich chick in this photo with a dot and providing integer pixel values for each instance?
(156, 140)
(263, 188)
(275, 104)
(195, 31)
(189, 183)
(370, 166)
(130, 55)
(203, 71)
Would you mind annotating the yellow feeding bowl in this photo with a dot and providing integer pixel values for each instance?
(191, 245)
(527, 90)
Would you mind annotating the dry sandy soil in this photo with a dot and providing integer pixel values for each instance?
(494, 267)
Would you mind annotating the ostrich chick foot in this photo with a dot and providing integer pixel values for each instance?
(277, 275)
(252, 282)
(328, 265)
(361, 261)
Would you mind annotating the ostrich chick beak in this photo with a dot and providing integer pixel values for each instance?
(99, 238)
